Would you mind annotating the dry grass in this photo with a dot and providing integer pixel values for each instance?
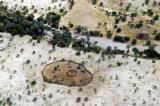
(85, 14)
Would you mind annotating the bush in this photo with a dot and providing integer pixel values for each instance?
(156, 17)
(114, 13)
(147, 2)
(71, 4)
(126, 39)
(118, 30)
(33, 83)
(157, 37)
(133, 14)
(134, 41)
(109, 34)
(94, 2)
(150, 12)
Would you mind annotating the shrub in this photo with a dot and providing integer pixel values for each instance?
(118, 38)
(114, 13)
(118, 30)
(150, 12)
(1, 27)
(147, 2)
(71, 4)
(126, 39)
(135, 51)
(156, 17)
(128, 6)
(33, 82)
(148, 43)
(157, 37)
(133, 14)
(134, 41)
(139, 25)
(101, 4)
(109, 34)
(94, 2)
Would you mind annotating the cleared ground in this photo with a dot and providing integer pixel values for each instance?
(67, 73)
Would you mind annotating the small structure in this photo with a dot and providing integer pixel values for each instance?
(67, 73)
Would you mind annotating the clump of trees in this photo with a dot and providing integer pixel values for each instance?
(83, 30)
(94, 48)
(61, 39)
(53, 19)
(16, 23)
(85, 46)
(78, 44)
(121, 39)
(151, 52)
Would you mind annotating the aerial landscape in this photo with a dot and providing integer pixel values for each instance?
(79, 52)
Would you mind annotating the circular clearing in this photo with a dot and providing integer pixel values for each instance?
(71, 73)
